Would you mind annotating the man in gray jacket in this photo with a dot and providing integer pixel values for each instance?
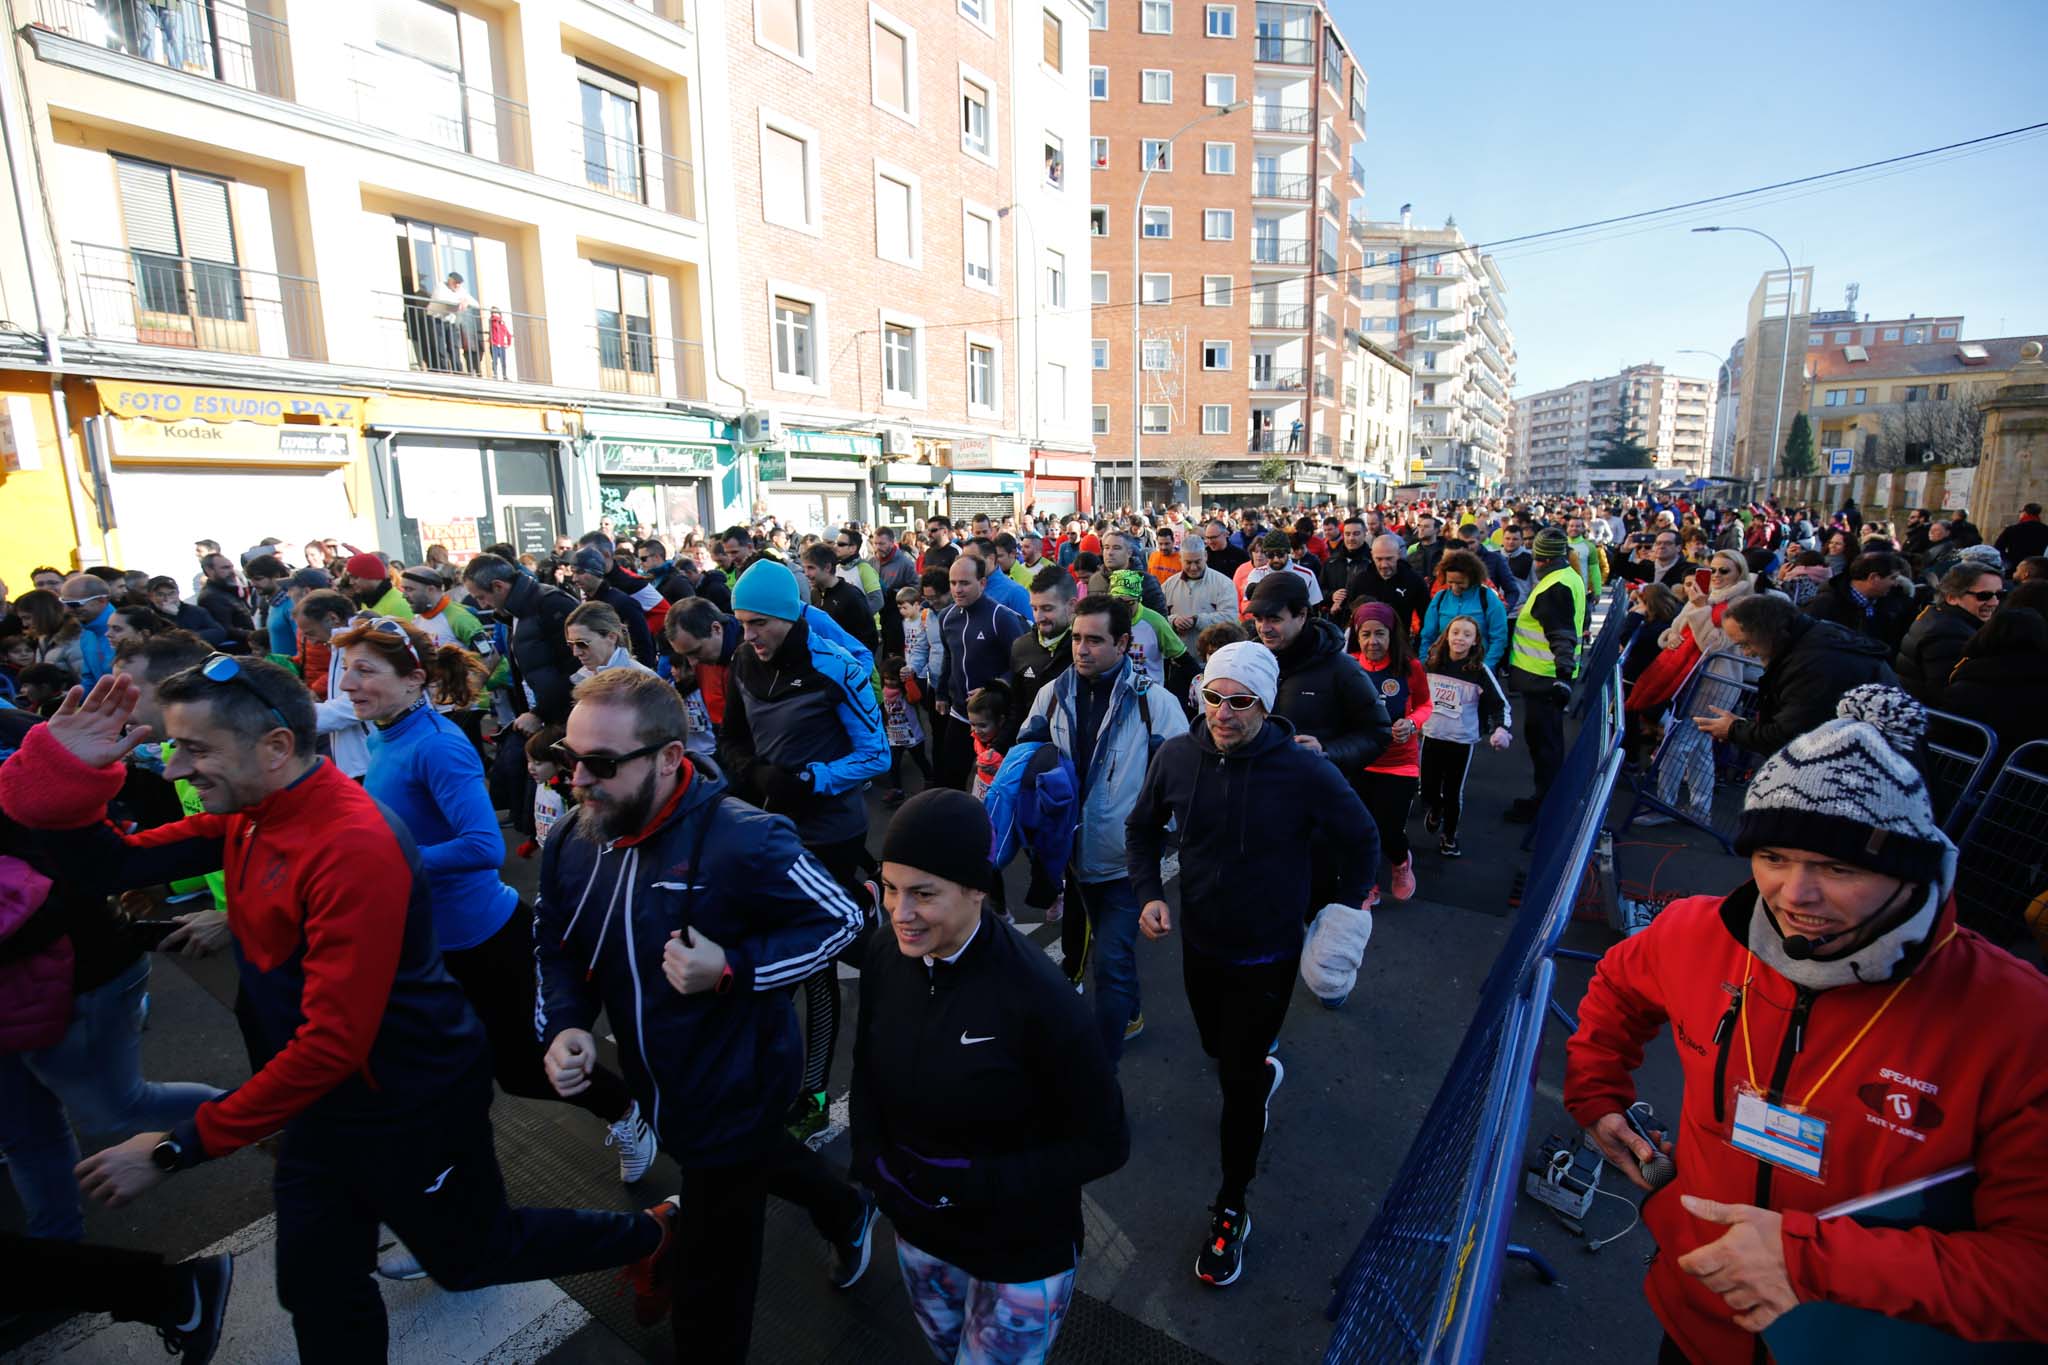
(1198, 597)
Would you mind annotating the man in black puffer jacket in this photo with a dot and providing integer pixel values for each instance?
(541, 667)
(1334, 708)
(1808, 666)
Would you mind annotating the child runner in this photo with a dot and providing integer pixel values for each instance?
(1381, 647)
(1466, 702)
(905, 731)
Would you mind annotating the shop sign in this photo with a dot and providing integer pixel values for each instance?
(180, 402)
(198, 440)
(1009, 456)
(459, 536)
(1955, 488)
(774, 466)
(655, 457)
(1053, 466)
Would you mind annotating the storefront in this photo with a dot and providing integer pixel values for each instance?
(1060, 485)
(183, 463)
(1234, 494)
(988, 477)
(909, 494)
(667, 477)
(815, 481)
(467, 475)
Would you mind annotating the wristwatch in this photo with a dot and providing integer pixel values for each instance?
(168, 1155)
(724, 981)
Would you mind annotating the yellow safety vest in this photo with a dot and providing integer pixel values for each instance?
(1529, 648)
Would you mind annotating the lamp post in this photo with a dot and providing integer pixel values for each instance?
(1784, 357)
(1721, 361)
(1138, 297)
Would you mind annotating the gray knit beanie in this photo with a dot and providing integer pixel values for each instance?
(1850, 790)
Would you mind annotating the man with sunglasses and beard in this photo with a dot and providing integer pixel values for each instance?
(686, 915)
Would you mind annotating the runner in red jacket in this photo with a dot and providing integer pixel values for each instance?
(1836, 987)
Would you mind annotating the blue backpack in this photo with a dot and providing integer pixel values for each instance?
(1034, 803)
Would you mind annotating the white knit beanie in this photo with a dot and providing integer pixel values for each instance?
(1249, 663)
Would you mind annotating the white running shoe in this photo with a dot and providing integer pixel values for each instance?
(396, 1263)
(636, 1143)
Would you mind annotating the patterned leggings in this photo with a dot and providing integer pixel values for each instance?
(974, 1322)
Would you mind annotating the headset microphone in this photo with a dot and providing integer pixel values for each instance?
(1801, 949)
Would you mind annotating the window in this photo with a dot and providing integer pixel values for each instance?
(1098, 221)
(1098, 152)
(1055, 279)
(1333, 61)
(1816, 338)
(1215, 419)
(1101, 419)
(784, 26)
(1945, 333)
(1098, 16)
(1155, 355)
(1156, 87)
(901, 381)
(896, 217)
(1215, 355)
(1915, 335)
(1052, 393)
(1835, 398)
(796, 339)
(1914, 393)
(1860, 399)
(1158, 222)
(610, 124)
(1219, 90)
(1155, 289)
(1369, 260)
(625, 327)
(1098, 82)
(181, 240)
(1219, 158)
(1055, 161)
(1098, 286)
(976, 126)
(1358, 105)
(1216, 291)
(1052, 40)
(1155, 16)
(1220, 21)
(1891, 334)
(1098, 353)
(1154, 418)
(978, 247)
(892, 54)
(1218, 225)
(789, 169)
(1941, 390)
(1155, 154)
(981, 376)
(1842, 338)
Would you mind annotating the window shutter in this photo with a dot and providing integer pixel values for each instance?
(209, 227)
(146, 214)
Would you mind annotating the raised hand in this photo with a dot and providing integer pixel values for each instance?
(94, 725)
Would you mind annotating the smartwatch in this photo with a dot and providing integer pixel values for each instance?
(168, 1155)
(724, 985)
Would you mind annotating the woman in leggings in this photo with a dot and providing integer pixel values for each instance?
(426, 771)
(982, 1098)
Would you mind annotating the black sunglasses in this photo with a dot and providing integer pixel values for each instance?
(604, 767)
(225, 669)
(1236, 701)
(1996, 594)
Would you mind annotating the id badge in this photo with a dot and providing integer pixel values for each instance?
(1789, 1139)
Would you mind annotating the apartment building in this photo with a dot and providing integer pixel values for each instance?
(1384, 392)
(1900, 393)
(1561, 432)
(909, 231)
(1227, 300)
(1439, 303)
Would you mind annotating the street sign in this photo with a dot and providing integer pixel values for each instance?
(1841, 462)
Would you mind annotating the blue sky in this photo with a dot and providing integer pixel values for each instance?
(1517, 117)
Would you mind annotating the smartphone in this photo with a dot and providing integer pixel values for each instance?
(149, 934)
(1705, 579)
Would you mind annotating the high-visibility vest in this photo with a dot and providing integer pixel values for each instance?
(1529, 648)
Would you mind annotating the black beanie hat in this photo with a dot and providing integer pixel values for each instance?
(943, 832)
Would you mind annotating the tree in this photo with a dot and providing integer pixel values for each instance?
(1944, 431)
(1189, 470)
(1798, 462)
(1273, 469)
(1620, 448)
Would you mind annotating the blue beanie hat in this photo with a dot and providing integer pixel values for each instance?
(768, 589)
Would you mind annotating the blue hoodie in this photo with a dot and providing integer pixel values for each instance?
(95, 652)
(1477, 602)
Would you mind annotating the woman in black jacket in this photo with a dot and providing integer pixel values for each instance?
(982, 1100)
(1934, 645)
(2002, 678)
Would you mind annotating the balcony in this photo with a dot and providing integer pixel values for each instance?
(1278, 118)
(1279, 251)
(627, 168)
(426, 104)
(632, 360)
(1420, 303)
(1283, 317)
(414, 333)
(1278, 381)
(152, 299)
(1324, 446)
(1330, 146)
(1325, 386)
(1274, 185)
(1284, 51)
(1442, 337)
(1326, 265)
(673, 11)
(219, 41)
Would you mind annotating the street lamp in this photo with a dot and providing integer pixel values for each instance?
(1784, 357)
(1138, 295)
(1722, 362)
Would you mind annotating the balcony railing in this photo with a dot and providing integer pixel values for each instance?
(1278, 118)
(1279, 251)
(1326, 265)
(1327, 326)
(672, 10)
(1324, 446)
(196, 305)
(1291, 317)
(1278, 381)
(1286, 51)
(427, 104)
(629, 169)
(1273, 185)
(416, 333)
(217, 41)
(1326, 387)
(631, 359)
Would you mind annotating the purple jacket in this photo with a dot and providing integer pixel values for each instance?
(35, 990)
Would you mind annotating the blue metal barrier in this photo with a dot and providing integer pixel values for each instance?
(1605, 654)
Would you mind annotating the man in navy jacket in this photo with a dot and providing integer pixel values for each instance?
(977, 634)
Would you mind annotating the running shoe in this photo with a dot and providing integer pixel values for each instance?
(1431, 821)
(1279, 1075)
(1222, 1258)
(196, 1336)
(651, 1278)
(1449, 847)
(807, 1116)
(636, 1143)
(394, 1262)
(1056, 909)
(850, 1257)
(1135, 1026)
(1404, 878)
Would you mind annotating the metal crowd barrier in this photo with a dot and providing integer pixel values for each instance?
(1601, 658)
(1958, 761)
(2002, 856)
(1685, 773)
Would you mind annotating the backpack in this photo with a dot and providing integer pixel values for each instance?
(1035, 803)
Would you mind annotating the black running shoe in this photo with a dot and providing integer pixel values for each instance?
(1222, 1258)
(194, 1333)
(1449, 847)
(850, 1257)
(1431, 820)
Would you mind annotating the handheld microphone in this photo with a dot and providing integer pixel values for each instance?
(1659, 1170)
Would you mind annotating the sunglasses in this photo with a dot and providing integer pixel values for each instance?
(603, 767)
(226, 669)
(1995, 595)
(1236, 701)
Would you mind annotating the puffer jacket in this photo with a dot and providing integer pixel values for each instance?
(541, 662)
(1932, 648)
(1480, 603)
(1801, 687)
(714, 1070)
(2002, 691)
(808, 710)
(35, 983)
(1141, 717)
(1324, 693)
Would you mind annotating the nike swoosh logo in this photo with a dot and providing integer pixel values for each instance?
(966, 1041)
(439, 1180)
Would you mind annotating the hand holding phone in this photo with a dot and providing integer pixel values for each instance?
(1704, 580)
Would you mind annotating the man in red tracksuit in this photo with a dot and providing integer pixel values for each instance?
(1834, 998)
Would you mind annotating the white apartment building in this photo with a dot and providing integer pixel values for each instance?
(1439, 304)
(1380, 389)
(1561, 432)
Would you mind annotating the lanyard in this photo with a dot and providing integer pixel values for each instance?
(1842, 1056)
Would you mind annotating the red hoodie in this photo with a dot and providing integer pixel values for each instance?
(1948, 1074)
